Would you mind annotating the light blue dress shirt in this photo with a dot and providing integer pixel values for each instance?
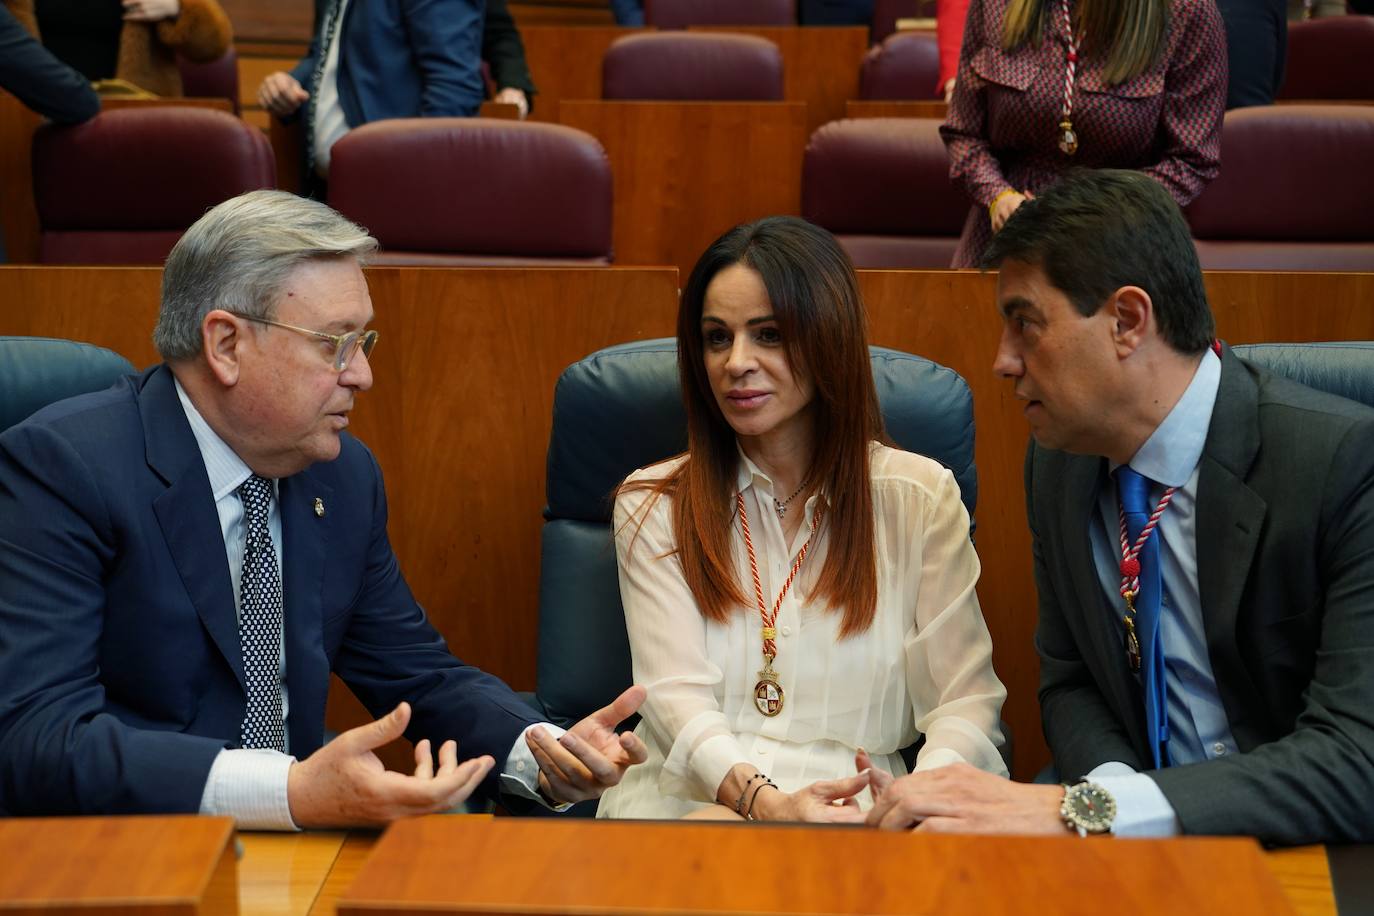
(1198, 727)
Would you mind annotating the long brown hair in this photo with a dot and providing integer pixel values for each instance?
(1129, 35)
(815, 298)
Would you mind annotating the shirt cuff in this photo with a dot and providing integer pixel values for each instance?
(249, 785)
(937, 757)
(1141, 808)
(520, 776)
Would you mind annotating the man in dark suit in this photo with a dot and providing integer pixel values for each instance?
(185, 558)
(375, 59)
(1203, 536)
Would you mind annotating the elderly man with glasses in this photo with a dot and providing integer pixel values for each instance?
(185, 558)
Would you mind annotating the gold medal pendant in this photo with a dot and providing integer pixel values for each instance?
(768, 694)
(1068, 139)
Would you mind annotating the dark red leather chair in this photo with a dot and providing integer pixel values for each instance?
(692, 66)
(887, 12)
(217, 79)
(475, 191)
(679, 14)
(904, 67)
(1294, 193)
(124, 186)
(1330, 58)
(881, 185)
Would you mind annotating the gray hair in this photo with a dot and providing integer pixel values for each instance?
(238, 256)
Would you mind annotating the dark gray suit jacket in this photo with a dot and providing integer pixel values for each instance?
(1285, 543)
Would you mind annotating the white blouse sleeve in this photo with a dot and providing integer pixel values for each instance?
(957, 696)
(668, 646)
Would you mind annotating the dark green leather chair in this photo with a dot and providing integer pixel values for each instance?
(37, 371)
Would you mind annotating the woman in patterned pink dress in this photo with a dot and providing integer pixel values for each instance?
(1021, 117)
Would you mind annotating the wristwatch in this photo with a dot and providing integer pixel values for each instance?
(1087, 808)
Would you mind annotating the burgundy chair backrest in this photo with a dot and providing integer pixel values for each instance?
(679, 14)
(478, 190)
(887, 12)
(1330, 58)
(905, 66)
(882, 186)
(692, 66)
(217, 79)
(1294, 191)
(124, 186)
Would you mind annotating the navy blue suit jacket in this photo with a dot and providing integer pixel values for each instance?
(122, 673)
(403, 59)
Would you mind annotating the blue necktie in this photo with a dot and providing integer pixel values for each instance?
(1134, 491)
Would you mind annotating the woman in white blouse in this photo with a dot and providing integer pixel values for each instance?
(759, 701)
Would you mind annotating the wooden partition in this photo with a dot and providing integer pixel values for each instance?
(460, 413)
(672, 868)
(565, 62)
(820, 66)
(857, 108)
(685, 172)
(117, 865)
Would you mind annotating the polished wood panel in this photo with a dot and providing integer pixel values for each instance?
(282, 874)
(570, 867)
(565, 62)
(820, 65)
(344, 872)
(879, 109)
(685, 172)
(950, 317)
(1306, 879)
(18, 215)
(459, 415)
(270, 20)
(113, 865)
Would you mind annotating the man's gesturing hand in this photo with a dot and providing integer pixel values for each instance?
(591, 757)
(962, 799)
(343, 784)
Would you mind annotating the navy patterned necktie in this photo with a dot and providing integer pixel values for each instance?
(260, 622)
(1134, 491)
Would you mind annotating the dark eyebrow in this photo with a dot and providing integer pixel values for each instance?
(1018, 304)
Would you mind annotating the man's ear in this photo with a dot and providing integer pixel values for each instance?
(1133, 316)
(221, 337)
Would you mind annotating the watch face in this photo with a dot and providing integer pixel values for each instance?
(1091, 807)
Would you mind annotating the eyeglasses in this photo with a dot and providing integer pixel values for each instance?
(344, 344)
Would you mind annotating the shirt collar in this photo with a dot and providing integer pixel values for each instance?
(750, 473)
(1174, 449)
(226, 469)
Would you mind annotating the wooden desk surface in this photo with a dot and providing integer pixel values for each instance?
(572, 866)
(110, 865)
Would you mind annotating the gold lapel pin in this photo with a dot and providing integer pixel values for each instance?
(319, 507)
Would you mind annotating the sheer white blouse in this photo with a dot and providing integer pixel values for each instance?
(923, 667)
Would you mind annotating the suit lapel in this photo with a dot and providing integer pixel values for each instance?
(1083, 482)
(1230, 518)
(186, 513)
(305, 547)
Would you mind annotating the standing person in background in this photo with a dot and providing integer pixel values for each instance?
(1256, 50)
(372, 61)
(1045, 85)
(628, 12)
(137, 42)
(504, 54)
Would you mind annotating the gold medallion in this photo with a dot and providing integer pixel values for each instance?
(768, 693)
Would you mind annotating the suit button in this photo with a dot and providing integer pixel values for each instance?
(1219, 749)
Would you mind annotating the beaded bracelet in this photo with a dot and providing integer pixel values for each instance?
(739, 803)
(749, 814)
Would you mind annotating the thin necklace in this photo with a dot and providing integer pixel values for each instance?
(780, 507)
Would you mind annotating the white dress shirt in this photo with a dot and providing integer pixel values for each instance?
(923, 667)
(330, 123)
(249, 785)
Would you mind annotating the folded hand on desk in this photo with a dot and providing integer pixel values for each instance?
(961, 799)
(343, 784)
(591, 757)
